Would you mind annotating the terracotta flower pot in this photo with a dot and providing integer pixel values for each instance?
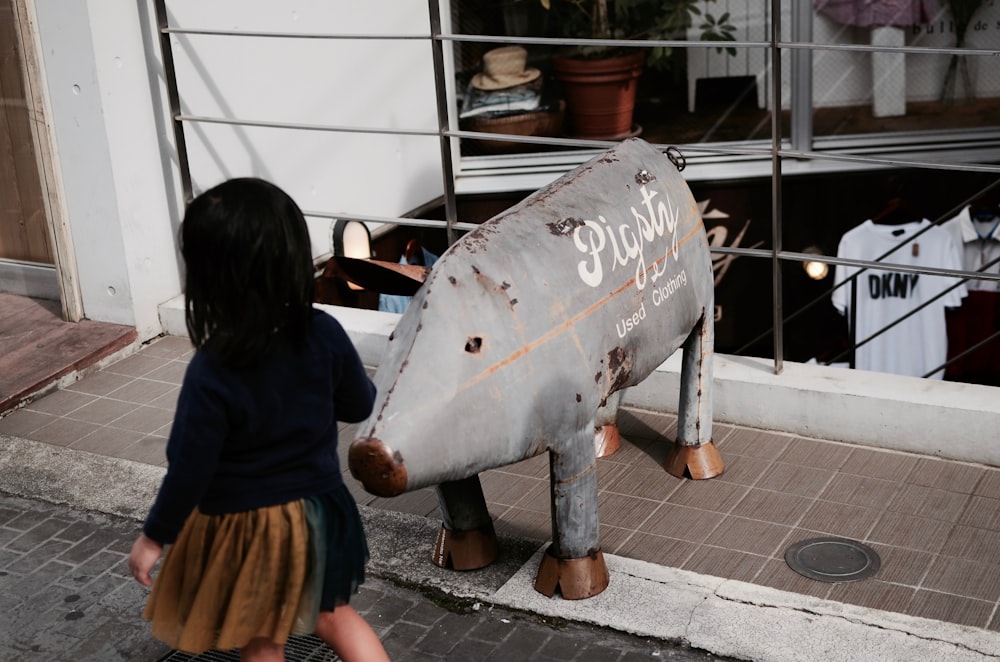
(600, 94)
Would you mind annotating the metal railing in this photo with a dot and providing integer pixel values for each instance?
(779, 151)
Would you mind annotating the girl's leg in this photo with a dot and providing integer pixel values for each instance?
(349, 635)
(262, 650)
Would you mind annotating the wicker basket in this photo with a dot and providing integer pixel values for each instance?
(539, 123)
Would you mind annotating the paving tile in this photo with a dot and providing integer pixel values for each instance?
(613, 537)
(953, 476)
(902, 566)
(726, 563)
(683, 522)
(525, 523)
(147, 392)
(534, 467)
(107, 441)
(718, 496)
(878, 463)
(144, 419)
(839, 519)
(100, 383)
(168, 400)
(874, 594)
(742, 469)
(102, 411)
(172, 373)
(24, 422)
(658, 549)
(777, 574)
(625, 511)
(813, 453)
(641, 453)
(507, 489)
(609, 471)
(538, 498)
(757, 443)
(920, 533)
(137, 365)
(972, 579)
(169, 347)
(775, 507)
(747, 535)
(63, 432)
(982, 512)
(929, 502)
(646, 424)
(794, 479)
(860, 490)
(653, 484)
(38, 534)
(60, 402)
(989, 485)
(969, 542)
(444, 634)
(951, 608)
(148, 450)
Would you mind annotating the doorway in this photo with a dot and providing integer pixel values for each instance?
(27, 260)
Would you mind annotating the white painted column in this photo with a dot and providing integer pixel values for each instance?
(888, 73)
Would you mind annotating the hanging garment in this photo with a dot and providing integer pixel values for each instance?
(918, 344)
(869, 13)
(978, 318)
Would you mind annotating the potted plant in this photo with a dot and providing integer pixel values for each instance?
(600, 81)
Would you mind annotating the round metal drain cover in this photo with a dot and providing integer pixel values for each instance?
(832, 559)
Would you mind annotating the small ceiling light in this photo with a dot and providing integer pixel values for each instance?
(815, 269)
(351, 239)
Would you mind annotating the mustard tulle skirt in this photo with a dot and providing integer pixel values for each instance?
(261, 573)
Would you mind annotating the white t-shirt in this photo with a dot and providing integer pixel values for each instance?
(919, 343)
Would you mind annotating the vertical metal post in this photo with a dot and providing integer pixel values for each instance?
(173, 97)
(802, 118)
(776, 281)
(447, 165)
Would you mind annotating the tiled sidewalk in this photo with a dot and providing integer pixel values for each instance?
(66, 595)
(934, 523)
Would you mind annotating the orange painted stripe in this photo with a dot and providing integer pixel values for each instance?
(558, 330)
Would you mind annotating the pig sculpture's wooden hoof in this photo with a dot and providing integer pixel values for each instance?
(696, 462)
(465, 550)
(606, 440)
(575, 578)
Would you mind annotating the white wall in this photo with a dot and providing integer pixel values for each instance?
(372, 84)
(114, 140)
(109, 156)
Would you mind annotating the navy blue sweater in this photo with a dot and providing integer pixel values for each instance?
(262, 435)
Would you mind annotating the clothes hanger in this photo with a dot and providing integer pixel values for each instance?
(896, 212)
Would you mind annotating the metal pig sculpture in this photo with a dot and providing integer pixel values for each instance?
(522, 337)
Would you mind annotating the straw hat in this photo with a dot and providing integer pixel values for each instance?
(504, 67)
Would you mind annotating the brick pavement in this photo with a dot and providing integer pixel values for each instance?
(65, 594)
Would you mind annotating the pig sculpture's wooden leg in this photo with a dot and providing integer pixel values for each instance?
(573, 563)
(467, 539)
(606, 438)
(694, 455)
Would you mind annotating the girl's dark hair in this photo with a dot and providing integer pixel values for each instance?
(249, 271)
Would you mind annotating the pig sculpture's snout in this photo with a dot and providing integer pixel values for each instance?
(379, 470)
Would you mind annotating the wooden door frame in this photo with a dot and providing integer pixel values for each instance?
(43, 136)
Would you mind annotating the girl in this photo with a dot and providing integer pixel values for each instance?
(265, 539)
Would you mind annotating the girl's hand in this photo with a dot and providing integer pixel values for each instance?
(144, 555)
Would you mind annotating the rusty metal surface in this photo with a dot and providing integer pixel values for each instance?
(528, 324)
(575, 579)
